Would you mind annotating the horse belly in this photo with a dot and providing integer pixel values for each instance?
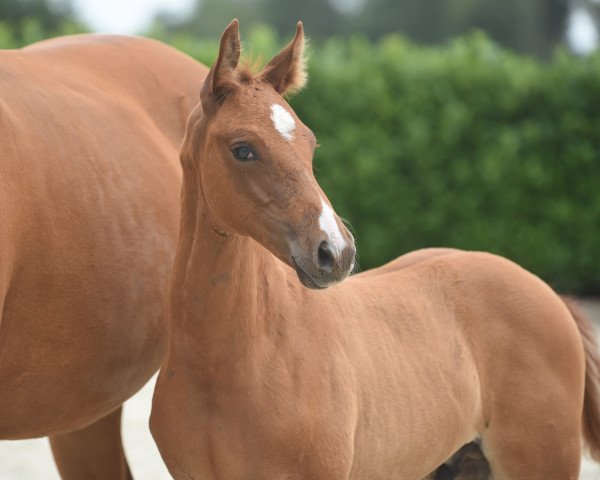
(72, 366)
(416, 415)
(84, 321)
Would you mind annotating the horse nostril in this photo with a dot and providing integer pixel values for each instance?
(325, 257)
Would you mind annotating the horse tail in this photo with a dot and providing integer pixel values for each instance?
(591, 399)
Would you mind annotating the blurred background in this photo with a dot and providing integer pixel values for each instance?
(464, 123)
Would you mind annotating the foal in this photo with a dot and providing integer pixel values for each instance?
(382, 377)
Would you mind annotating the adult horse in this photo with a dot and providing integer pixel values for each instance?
(90, 128)
(383, 376)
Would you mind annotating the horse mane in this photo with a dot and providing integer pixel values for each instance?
(249, 69)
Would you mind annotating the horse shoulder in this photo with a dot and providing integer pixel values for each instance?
(140, 73)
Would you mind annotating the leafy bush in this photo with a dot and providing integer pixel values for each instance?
(464, 145)
(31, 30)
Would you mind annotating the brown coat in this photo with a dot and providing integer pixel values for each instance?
(90, 128)
(381, 377)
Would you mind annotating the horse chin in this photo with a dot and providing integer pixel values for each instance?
(305, 278)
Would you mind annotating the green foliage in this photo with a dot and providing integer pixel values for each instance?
(31, 31)
(532, 26)
(260, 40)
(464, 145)
(23, 22)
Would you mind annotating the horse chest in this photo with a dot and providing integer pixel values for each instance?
(260, 424)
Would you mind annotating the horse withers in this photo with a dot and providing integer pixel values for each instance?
(384, 375)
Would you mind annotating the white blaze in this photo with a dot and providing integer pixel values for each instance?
(283, 121)
(328, 224)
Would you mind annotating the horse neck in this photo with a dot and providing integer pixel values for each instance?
(220, 288)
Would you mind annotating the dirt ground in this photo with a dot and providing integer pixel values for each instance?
(31, 459)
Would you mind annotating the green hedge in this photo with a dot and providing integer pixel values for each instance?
(31, 30)
(462, 145)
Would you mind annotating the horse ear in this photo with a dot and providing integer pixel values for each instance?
(221, 80)
(286, 71)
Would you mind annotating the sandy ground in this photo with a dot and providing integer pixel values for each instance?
(31, 459)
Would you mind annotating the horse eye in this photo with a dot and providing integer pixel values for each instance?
(244, 154)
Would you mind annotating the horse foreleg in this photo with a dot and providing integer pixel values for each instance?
(94, 452)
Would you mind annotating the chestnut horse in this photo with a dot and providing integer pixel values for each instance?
(89, 188)
(381, 377)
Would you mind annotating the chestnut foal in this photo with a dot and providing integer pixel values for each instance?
(382, 377)
(90, 128)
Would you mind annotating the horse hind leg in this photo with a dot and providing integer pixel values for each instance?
(94, 452)
(512, 461)
(535, 445)
(468, 463)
